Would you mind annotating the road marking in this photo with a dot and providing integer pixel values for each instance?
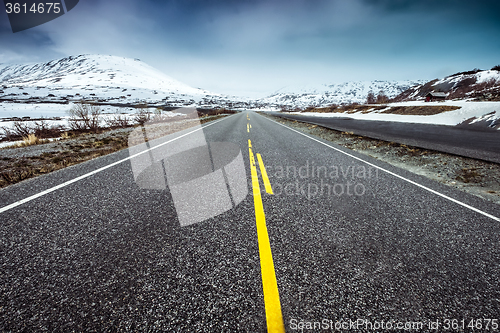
(272, 303)
(248, 127)
(395, 175)
(263, 172)
(69, 182)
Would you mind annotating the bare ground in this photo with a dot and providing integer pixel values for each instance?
(477, 177)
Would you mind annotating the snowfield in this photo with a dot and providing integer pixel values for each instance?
(117, 84)
(56, 114)
(45, 110)
(468, 109)
(50, 110)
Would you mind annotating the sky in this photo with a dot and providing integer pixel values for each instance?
(256, 47)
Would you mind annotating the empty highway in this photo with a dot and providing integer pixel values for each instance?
(471, 142)
(244, 225)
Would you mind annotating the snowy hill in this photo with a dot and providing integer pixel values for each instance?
(483, 85)
(118, 81)
(106, 79)
(344, 93)
(122, 81)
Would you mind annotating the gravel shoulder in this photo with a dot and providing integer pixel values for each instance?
(473, 176)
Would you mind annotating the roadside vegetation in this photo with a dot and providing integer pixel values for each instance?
(14, 169)
(46, 148)
(424, 110)
(31, 140)
(88, 117)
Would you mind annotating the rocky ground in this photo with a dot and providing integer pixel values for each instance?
(473, 176)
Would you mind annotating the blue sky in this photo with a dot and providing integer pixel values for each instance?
(255, 47)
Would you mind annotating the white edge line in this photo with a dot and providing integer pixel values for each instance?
(69, 182)
(394, 174)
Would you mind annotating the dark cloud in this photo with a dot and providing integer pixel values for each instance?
(458, 12)
(271, 43)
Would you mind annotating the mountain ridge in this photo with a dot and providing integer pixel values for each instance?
(481, 85)
(124, 81)
(339, 93)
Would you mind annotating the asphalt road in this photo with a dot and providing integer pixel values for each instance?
(469, 142)
(140, 242)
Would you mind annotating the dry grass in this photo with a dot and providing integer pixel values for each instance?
(329, 109)
(364, 108)
(426, 110)
(409, 150)
(31, 140)
(469, 175)
(19, 169)
(85, 147)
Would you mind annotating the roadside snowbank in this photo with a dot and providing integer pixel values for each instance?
(467, 110)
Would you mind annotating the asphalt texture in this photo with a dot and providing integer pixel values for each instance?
(471, 142)
(349, 242)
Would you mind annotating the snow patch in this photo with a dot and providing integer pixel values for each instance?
(468, 110)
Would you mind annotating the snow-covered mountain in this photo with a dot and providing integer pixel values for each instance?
(121, 81)
(476, 84)
(343, 93)
(108, 79)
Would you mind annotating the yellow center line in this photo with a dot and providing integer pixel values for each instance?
(263, 172)
(248, 127)
(272, 303)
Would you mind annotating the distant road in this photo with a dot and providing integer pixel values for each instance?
(484, 145)
(334, 236)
